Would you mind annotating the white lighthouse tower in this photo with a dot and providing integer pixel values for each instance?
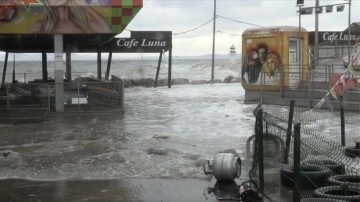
(232, 54)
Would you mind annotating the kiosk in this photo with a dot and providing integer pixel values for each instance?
(274, 58)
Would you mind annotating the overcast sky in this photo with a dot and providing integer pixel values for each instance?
(180, 16)
(191, 21)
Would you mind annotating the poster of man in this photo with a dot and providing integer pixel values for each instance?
(275, 48)
(262, 64)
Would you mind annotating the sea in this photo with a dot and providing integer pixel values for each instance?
(192, 69)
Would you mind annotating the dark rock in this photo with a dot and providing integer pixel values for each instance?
(228, 79)
(180, 81)
(161, 136)
(236, 80)
(158, 151)
(199, 82)
(144, 82)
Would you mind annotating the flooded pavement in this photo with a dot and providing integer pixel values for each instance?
(125, 190)
(152, 152)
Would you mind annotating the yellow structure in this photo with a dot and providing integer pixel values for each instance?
(274, 58)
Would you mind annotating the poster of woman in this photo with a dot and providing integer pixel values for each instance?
(262, 63)
(67, 16)
(276, 48)
(70, 16)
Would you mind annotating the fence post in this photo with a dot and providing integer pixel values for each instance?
(309, 88)
(260, 146)
(262, 77)
(7, 97)
(122, 94)
(342, 121)
(282, 81)
(49, 94)
(297, 169)
(288, 133)
(78, 91)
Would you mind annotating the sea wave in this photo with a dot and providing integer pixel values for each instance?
(129, 69)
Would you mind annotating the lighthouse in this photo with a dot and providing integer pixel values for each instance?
(232, 53)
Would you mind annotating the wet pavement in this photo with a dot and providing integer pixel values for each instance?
(126, 190)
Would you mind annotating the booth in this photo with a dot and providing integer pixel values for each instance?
(274, 58)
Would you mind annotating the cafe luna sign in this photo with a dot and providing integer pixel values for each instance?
(331, 37)
(340, 36)
(130, 43)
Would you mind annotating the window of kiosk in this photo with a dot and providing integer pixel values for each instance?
(294, 70)
(293, 51)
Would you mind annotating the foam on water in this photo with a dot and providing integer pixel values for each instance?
(129, 69)
(163, 133)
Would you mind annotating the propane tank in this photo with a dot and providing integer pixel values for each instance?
(224, 167)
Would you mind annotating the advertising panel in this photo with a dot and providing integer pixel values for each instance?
(66, 16)
(262, 62)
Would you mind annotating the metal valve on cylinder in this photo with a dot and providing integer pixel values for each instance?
(224, 167)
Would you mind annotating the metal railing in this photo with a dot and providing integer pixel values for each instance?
(311, 86)
(80, 96)
(332, 49)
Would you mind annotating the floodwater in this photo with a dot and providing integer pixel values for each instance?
(152, 152)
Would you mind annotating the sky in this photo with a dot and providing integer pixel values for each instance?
(191, 21)
(234, 16)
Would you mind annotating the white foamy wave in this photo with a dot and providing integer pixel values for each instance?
(129, 69)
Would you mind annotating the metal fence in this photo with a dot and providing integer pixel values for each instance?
(301, 154)
(310, 87)
(37, 100)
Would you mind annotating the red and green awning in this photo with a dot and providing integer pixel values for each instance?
(122, 12)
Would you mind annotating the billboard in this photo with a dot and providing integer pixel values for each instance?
(272, 57)
(262, 55)
(66, 16)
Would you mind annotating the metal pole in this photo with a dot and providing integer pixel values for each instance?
(99, 63)
(4, 70)
(7, 97)
(297, 168)
(259, 133)
(349, 32)
(300, 48)
(316, 33)
(288, 132)
(78, 89)
(107, 73)
(158, 69)
(13, 76)
(169, 67)
(342, 116)
(213, 45)
(68, 62)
